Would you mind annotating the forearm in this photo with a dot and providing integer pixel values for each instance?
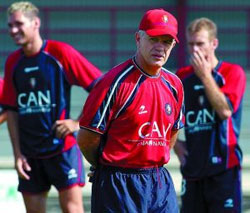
(180, 150)
(12, 123)
(3, 117)
(89, 143)
(174, 135)
(216, 98)
(91, 155)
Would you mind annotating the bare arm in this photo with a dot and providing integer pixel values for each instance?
(203, 70)
(21, 163)
(173, 138)
(89, 142)
(180, 150)
(216, 98)
(3, 117)
(12, 122)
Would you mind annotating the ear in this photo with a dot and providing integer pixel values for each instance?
(137, 37)
(174, 42)
(37, 22)
(215, 43)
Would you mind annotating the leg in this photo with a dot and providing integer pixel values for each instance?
(71, 200)
(35, 190)
(35, 203)
(66, 173)
(163, 196)
(192, 197)
(224, 192)
(116, 190)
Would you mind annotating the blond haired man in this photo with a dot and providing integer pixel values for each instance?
(38, 78)
(210, 156)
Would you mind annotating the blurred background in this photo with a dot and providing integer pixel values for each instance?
(103, 31)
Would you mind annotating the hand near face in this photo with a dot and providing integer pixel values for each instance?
(202, 65)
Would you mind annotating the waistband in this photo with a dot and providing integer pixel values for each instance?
(131, 170)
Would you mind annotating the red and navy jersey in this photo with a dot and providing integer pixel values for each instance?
(38, 87)
(135, 113)
(212, 143)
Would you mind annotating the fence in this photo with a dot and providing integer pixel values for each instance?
(105, 34)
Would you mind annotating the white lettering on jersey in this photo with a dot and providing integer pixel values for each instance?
(201, 117)
(202, 120)
(34, 99)
(142, 110)
(31, 69)
(153, 129)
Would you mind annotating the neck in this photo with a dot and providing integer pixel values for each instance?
(215, 61)
(33, 47)
(147, 68)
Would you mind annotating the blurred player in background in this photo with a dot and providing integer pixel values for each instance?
(128, 131)
(210, 156)
(38, 78)
(3, 113)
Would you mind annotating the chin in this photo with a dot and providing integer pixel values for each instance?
(158, 64)
(19, 43)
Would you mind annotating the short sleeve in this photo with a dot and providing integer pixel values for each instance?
(99, 107)
(78, 70)
(8, 98)
(234, 85)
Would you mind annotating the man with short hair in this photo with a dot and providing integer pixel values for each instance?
(37, 83)
(210, 156)
(128, 131)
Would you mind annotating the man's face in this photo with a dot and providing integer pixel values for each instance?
(201, 42)
(21, 28)
(154, 51)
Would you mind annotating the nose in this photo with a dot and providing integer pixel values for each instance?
(13, 29)
(160, 45)
(193, 48)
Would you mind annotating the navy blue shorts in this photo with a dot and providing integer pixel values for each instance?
(133, 190)
(215, 194)
(63, 171)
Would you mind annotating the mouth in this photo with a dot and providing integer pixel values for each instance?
(158, 56)
(17, 37)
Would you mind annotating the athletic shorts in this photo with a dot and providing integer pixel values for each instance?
(215, 194)
(133, 190)
(63, 171)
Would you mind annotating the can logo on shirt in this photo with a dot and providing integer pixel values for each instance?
(168, 109)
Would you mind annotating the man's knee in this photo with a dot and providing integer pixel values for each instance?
(71, 200)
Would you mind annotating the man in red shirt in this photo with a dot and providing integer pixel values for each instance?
(130, 122)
